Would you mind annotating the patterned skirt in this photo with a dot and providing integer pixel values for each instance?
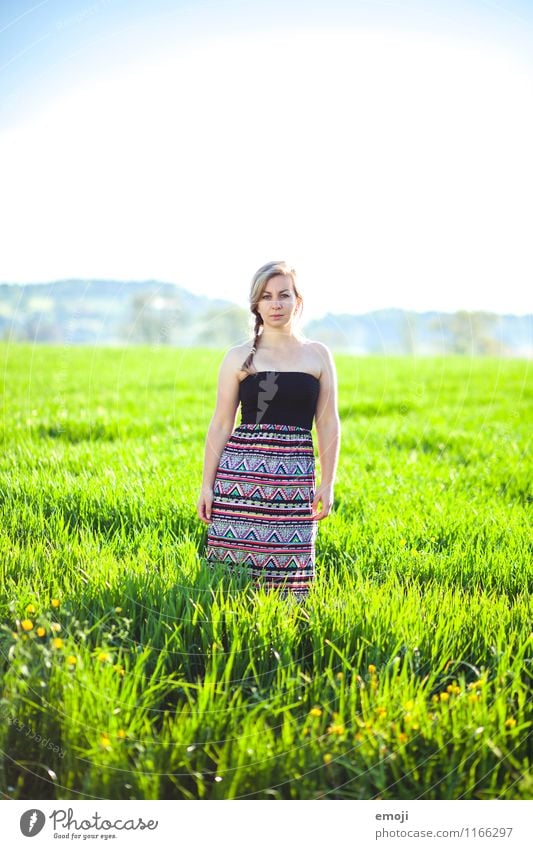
(261, 512)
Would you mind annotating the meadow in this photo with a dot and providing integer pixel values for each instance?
(131, 670)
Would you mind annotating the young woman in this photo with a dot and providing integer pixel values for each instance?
(258, 493)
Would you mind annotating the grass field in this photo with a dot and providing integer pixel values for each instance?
(132, 671)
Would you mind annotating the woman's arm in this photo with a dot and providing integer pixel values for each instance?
(220, 428)
(328, 429)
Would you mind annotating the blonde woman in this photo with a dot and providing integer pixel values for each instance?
(259, 495)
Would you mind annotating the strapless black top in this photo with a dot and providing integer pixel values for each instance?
(279, 397)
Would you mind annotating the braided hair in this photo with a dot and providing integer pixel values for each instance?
(253, 350)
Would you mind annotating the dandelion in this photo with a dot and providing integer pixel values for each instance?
(327, 758)
(55, 602)
(55, 627)
(30, 608)
(57, 643)
(473, 697)
(444, 697)
(403, 541)
(336, 728)
(415, 726)
(121, 734)
(72, 660)
(103, 656)
(402, 737)
(371, 669)
(119, 669)
(316, 711)
(340, 676)
(409, 705)
(26, 625)
(434, 698)
(105, 741)
(381, 711)
(41, 631)
(510, 723)
(118, 610)
(359, 736)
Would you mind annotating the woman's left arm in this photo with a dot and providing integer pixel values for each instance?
(328, 429)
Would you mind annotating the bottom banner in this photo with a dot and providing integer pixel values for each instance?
(359, 824)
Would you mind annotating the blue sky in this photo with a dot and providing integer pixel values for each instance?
(383, 148)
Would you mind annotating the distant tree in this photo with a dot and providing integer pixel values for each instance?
(408, 334)
(153, 320)
(466, 332)
(223, 327)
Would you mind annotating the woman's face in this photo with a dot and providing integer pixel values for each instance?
(278, 303)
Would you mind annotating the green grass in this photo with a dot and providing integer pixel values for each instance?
(405, 675)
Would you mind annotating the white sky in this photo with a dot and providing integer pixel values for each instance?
(391, 169)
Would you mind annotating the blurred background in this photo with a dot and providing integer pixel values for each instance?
(154, 154)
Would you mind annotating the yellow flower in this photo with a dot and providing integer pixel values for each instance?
(57, 643)
(403, 541)
(340, 676)
(381, 711)
(414, 551)
(444, 697)
(103, 656)
(371, 668)
(336, 729)
(105, 741)
(511, 722)
(72, 659)
(55, 627)
(327, 758)
(409, 705)
(434, 698)
(30, 608)
(359, 736)
(121, 734)
(402, 737)
(40, 631)
(26, 624)
(55, 602)
(316, 711)
(118, 610)
(473, 697)
(415, 726)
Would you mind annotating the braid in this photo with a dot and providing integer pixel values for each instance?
(253, 350)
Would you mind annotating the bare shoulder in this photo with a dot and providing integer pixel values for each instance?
(235, 357)
(319, 347)
(323, 355)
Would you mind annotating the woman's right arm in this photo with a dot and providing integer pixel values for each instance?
(220, 428)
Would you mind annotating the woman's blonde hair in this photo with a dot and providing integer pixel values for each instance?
(259, 281)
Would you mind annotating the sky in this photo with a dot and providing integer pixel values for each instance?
(383, 148)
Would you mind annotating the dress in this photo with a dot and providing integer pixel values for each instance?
(265, 484)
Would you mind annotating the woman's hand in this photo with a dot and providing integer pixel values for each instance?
(324, 495)
(204, 505)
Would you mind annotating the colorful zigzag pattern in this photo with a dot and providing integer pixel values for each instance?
(261, 512)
